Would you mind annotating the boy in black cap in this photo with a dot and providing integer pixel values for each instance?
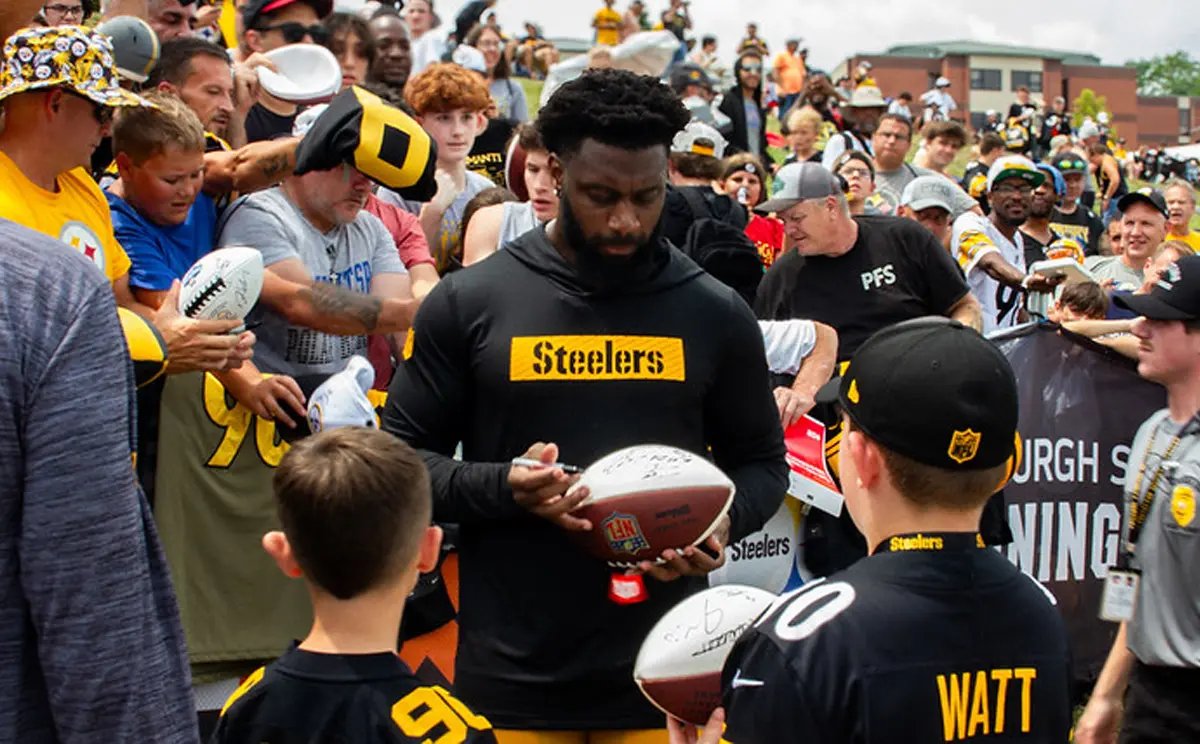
(932, 635)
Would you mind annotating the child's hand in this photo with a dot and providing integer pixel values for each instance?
(447, 190)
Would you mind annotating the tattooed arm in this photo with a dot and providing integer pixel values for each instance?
(290, 291)
(254, 167)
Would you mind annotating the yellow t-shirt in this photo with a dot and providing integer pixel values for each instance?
(1192, 239)
(77, 215)
(607, 36)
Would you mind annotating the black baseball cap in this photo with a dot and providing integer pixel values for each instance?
(934, 391)
(689, 73)
(1070, 163)
(257, 8)
(1145, 195)
(1175, 296)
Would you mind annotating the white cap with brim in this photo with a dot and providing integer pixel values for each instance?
(1088, 129)
(342, 399)
(698, 138)
(800, 182)
(1014, 166)
(924, 192)
(867, 96)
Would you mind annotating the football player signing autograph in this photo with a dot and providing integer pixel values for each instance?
(932, 637)
(580, 338)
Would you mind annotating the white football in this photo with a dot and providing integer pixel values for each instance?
(650, 498)
(678, 668)
(222, 285)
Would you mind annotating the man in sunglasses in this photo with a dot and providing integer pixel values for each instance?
(269, 25)
(58, 90)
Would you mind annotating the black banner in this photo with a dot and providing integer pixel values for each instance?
(1081, 404)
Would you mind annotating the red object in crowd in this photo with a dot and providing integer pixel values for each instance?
(767, 235)
(774, 139)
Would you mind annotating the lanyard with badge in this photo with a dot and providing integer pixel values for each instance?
(1123, 580)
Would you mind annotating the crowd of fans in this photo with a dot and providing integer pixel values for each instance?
(147, 142)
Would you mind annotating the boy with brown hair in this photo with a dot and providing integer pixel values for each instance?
(449, 102)
(355, 506)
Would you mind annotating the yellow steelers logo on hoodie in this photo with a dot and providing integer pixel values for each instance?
(594, 358)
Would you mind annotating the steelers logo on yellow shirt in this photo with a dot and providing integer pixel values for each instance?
(83, 239)
(1183, 505)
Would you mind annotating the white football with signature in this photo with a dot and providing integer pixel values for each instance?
(223, 285)
(679, 665)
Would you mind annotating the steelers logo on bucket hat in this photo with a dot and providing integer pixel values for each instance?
(70, 57)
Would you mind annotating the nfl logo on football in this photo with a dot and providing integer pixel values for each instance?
(623, 534)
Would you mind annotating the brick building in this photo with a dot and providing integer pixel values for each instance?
(986, 76)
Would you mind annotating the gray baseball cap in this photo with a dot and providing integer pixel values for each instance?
(800, 182)
(924, 192)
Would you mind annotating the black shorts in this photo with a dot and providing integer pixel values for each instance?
(1161, 705)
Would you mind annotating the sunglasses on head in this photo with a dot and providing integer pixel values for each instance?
(294, 32)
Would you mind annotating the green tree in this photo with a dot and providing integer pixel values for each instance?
(1088, 104)
(1174, 74)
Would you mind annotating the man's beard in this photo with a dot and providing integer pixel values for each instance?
(1039, 213)
(601, 270)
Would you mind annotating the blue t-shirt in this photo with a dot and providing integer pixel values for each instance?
(160, 254)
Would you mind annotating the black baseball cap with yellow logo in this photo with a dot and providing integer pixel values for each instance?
(932, 390)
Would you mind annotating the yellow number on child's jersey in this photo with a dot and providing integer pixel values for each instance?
(435, 706)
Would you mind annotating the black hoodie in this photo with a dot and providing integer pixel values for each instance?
(508, 353)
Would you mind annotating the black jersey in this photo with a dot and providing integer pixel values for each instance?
(487, 157)
(370, 698)
(974, 182)
(931, 639)
(1081, 226)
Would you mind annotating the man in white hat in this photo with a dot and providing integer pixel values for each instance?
(865, 108)
(938, 100)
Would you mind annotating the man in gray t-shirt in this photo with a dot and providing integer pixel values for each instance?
(891, 142)
(331, 269)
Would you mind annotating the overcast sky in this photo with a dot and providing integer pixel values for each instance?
(1141, 29)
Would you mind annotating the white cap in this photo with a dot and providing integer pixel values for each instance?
(1102, 117)
(992, 112)
(942, 83)
(342, 399)
(307, 118)
(1014, 166)
(470, 58)
(867, 96)
(1088, 129)
(700, 139)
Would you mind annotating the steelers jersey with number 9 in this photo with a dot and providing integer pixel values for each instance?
(365, 698)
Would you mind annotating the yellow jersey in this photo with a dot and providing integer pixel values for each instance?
(1192, 239)
(77, 215)
(607, 36)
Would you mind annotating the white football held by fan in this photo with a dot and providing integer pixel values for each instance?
(307, 73)
(649, 498)
(222, 285)
(679, 666)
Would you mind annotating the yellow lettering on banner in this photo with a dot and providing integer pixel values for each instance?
(954, 705)
(235, 421)
(1026, 675)
(592, 358)
(437, 707)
